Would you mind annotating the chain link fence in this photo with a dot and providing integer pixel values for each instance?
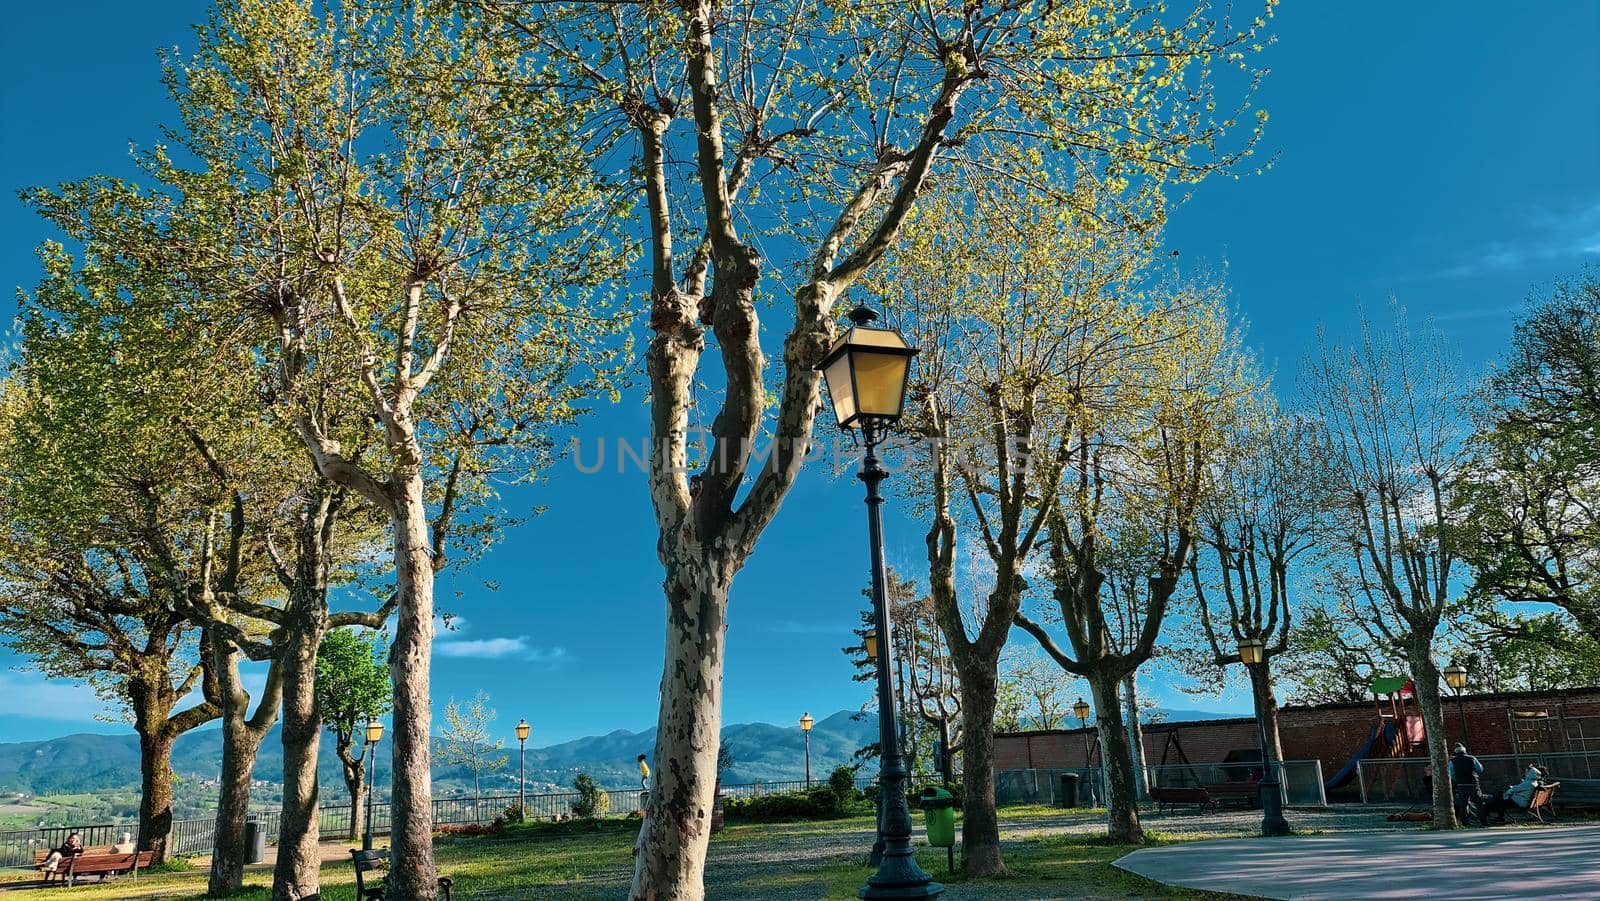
(1404, 780)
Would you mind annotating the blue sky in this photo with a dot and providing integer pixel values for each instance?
(1443, 154)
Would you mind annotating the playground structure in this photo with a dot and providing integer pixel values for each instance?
(1397, 733)
(1377, 743)
(1393, 763)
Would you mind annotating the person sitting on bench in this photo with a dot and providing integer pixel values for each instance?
(72, 847)
(1517, 797)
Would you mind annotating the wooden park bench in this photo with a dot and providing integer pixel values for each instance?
(1248, 792)
(1170, 796)
(367, 861)
(92, 863)
(1543, 802)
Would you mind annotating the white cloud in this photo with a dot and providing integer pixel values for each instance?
(1549, 235)
(492, 648)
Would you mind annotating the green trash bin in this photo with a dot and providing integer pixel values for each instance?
(939, 808)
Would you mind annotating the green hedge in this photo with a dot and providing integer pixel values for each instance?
(816, 804)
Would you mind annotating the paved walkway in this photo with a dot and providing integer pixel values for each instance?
(1547, 862)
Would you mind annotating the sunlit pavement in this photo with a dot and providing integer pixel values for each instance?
(1544, 862)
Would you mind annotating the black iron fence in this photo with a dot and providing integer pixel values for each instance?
(194, 836)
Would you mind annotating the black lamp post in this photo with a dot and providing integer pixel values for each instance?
(1253, 652)
(866, 371)
(1455, 676)
(806, 722)
(522, 753)
(1080, 709)
(374, 735)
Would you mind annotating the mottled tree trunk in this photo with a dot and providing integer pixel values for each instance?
(1122, 802)
(1266, 708)
(155, 786)
(354, 769)
(413, 875)
(241, 741)
(677, 823)
(1130, 711)
(980, 823)
(297, 871)
(1425, 677)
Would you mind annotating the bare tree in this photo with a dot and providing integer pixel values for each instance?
(1389, 404)
(1265, 519)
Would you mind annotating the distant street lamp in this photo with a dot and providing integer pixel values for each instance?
(522, 753)
(374, 735)
(1081, 711)
(866, 371)
(806, 722)
(1455, 676)
(1253, 652)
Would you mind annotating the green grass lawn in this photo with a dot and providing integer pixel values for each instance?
(580, 861)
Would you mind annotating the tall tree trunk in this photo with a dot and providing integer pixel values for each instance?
(1130, 698)
(155, 788)
(1425, 677)
(1266, 708)
(980, 822)
(297, 873)
(677, 824)
(354, 768)
(241, 741)
(1122, 803)
(413, 875)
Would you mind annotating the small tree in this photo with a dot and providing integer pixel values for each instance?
(465, 741)
(592, 799)
(352, 688)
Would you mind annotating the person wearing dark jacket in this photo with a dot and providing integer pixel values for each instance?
(1464, 772)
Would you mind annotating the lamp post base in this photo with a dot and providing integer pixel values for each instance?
(1272, 821)
(877, 889)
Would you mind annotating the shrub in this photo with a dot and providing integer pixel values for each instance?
(173, 864)
(843, 784)
(470, 829)
(816, 804)
(514, 813)
(593, 802)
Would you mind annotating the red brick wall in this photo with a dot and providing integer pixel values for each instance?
(1329, 733)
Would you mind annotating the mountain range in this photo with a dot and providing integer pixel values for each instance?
(761, 752)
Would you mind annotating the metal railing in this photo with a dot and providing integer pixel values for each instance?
(195, 836)
(1404, 780)
(1044, 786)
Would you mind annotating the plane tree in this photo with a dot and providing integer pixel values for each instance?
(1389, 406)
(796, 139)
(405, 238)
(1139, 446)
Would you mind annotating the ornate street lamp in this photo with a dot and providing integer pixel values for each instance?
(1080, 709)
(1253, 652)
(374, 735)
(1455, 676)
(866, 371)
(806, 722)
(522, 753)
